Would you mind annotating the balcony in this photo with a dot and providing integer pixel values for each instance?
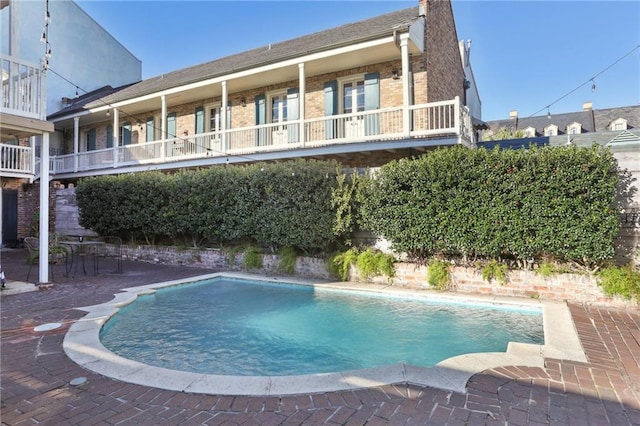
(23, 89)
(23, 110)
(447, 122)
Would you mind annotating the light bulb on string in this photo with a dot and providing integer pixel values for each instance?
(593, 86)
(548, 113)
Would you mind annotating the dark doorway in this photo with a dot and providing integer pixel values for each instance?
(9, 217)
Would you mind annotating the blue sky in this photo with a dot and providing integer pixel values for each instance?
(525, 54)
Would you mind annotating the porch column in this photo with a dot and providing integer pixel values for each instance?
(224, 112)
(406, 88)
(76, 139)
(302, 89)
(116, 135)
(163, 125)
(43, 263)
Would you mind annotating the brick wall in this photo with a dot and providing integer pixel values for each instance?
(572, 287)
(445, 74)
(29, 205)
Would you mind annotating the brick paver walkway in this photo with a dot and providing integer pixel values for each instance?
(36, 374)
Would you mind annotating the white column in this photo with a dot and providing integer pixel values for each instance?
(116, 135)
(76, 138)
(163, 126)
(224, 112)
(1, 238)
(301, 101)
(406, 85)
(44, 211)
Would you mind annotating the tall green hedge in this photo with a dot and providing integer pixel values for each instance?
(275, 205)
(556, 202)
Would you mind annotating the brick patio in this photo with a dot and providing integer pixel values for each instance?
(36, 374)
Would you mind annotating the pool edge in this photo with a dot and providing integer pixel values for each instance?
(82, 345)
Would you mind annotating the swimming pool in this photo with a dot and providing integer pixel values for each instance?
(256, 328)
(82, 345)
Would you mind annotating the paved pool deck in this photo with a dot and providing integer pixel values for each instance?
(36, 374)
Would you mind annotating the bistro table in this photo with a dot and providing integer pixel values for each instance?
(80, 250)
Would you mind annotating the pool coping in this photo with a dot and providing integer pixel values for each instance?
(82, 344)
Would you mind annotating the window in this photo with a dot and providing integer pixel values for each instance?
(551, 130)
(352, 96)
(574, 128)
(90, 140)
(125, 133)
(150, 130)
(278, 105)
(109, 136)
(619, 124)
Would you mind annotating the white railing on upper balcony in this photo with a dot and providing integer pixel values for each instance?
(447, 119)
(23, 88)
(15, 159)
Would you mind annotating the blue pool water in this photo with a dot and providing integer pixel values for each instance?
(252, 328)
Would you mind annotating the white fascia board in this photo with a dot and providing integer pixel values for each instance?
(77, 114)
(252, 71)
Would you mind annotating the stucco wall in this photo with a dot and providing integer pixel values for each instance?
(82, 51)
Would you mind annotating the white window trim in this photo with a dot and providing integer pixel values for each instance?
(530, 132)
(207, 114)
(619, 122)
(341, 82)
(574, 126)
(553, 128)
(269, 102)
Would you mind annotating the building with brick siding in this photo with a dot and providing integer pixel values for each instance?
(364, 93)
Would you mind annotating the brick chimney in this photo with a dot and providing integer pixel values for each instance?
(513, 115)
(422, 7)
(587, 106)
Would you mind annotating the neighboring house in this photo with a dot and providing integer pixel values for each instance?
(38, 40)
(588, 120)
(364, 93)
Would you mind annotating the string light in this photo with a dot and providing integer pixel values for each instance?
(592, 80)
(45, 37)
(548, 112)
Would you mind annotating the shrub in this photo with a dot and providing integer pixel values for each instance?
(620, 280)
(252, 258)
(438, 275)
(340, 263)
(371, 263)
(555, 201)
(287, 260)
(495, 270)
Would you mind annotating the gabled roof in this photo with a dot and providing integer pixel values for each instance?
(344, 35)
(78, 103)
(540, 122)
(604, 117)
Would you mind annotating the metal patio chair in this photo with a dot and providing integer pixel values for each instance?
(56, 253)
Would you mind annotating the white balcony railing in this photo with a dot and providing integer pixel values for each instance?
(446, 119)
(23, 89)
(15, 159)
